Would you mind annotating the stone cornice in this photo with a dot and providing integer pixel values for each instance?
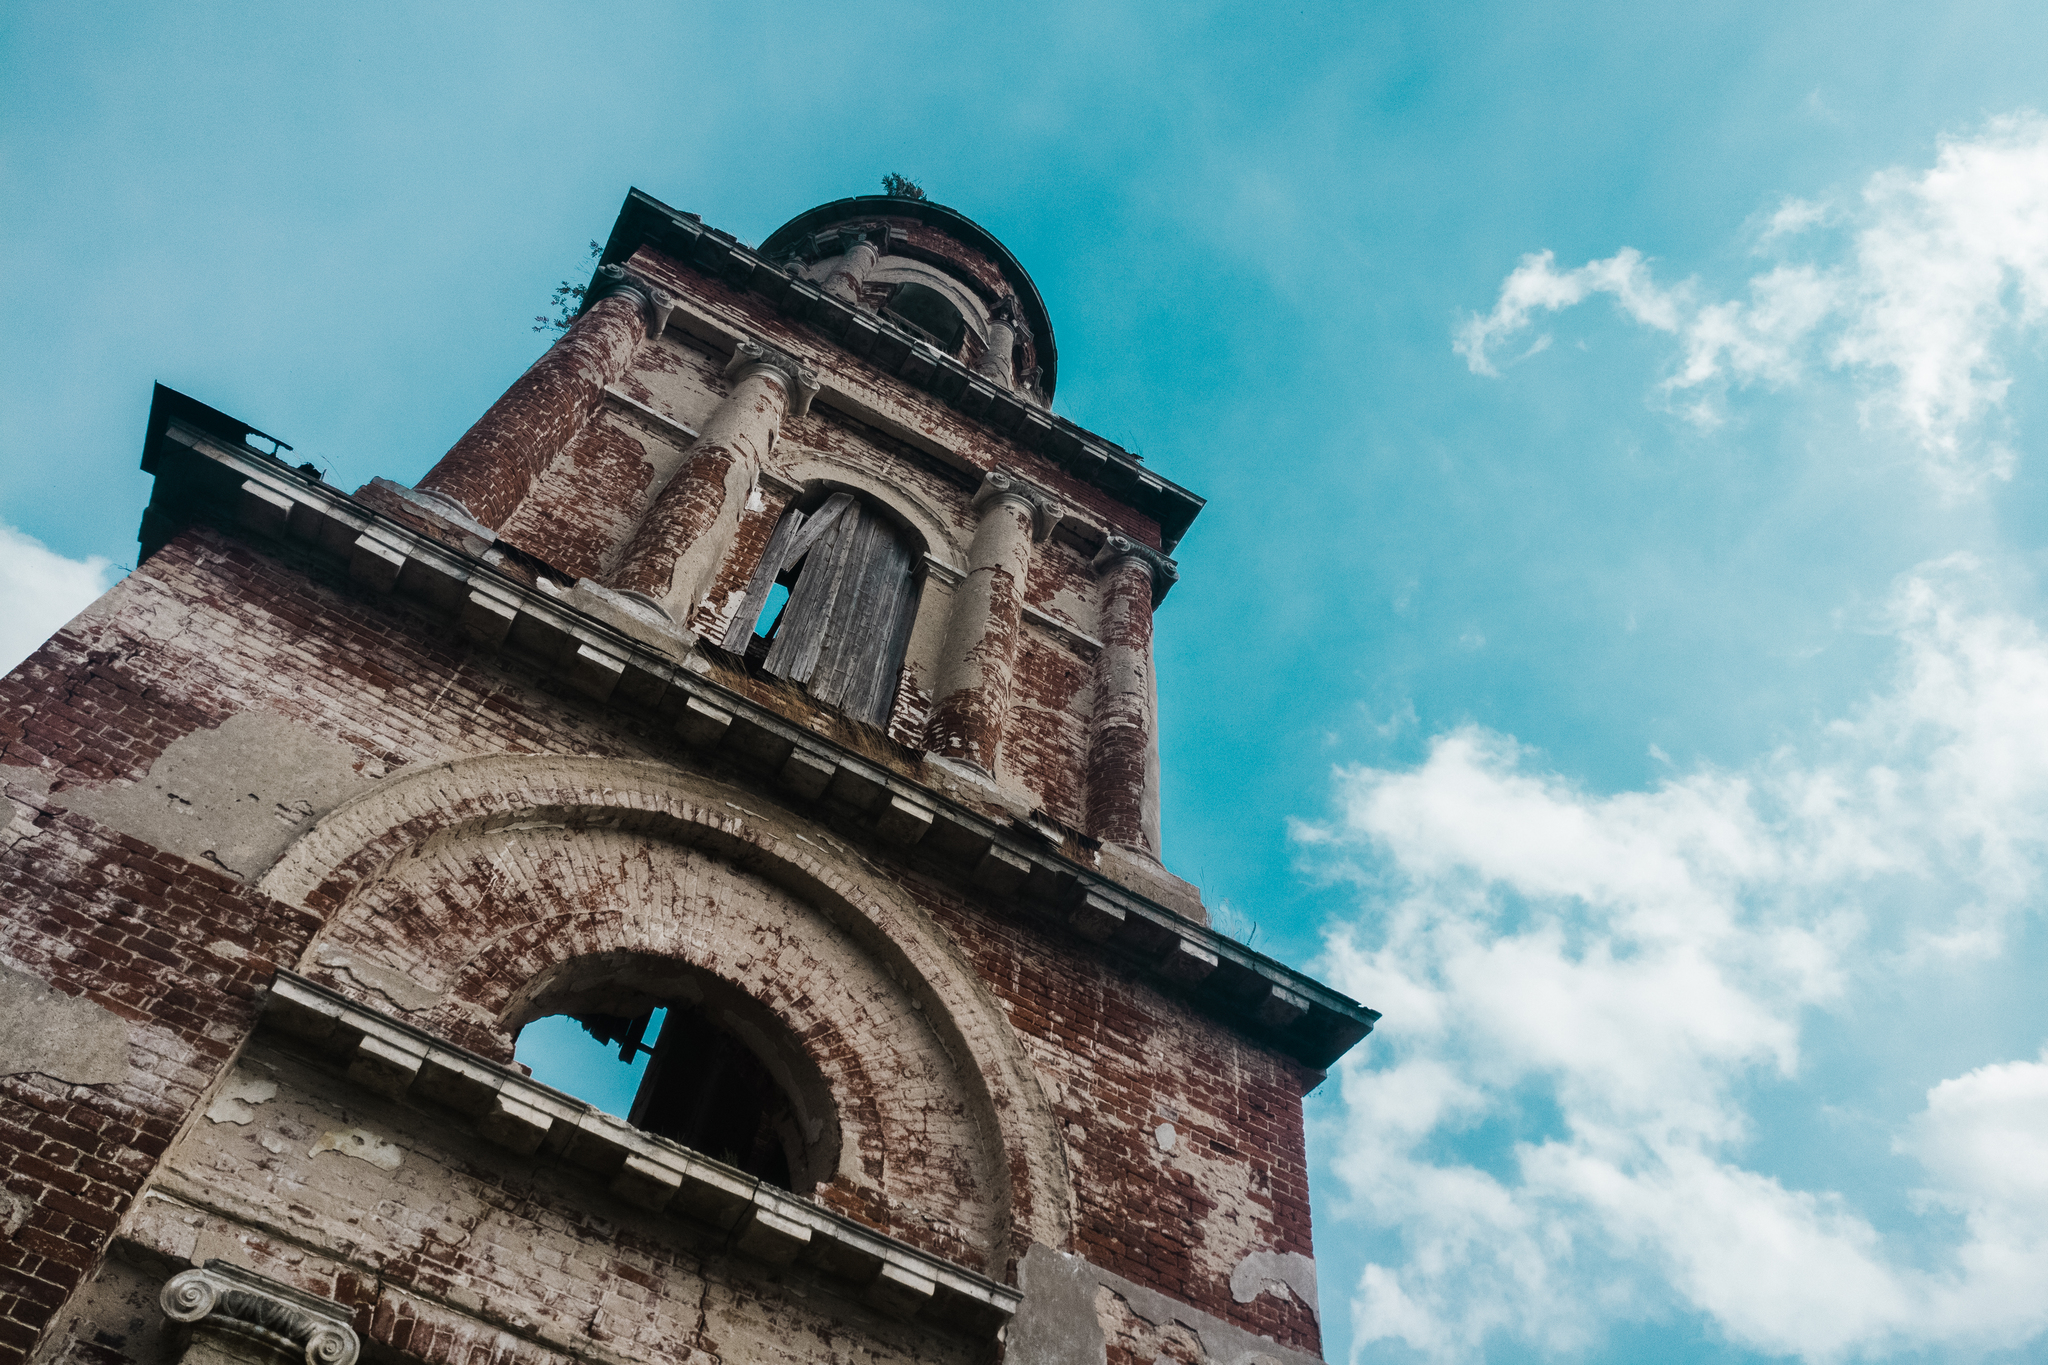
(224, 1298)
(1091, 458)
(218, 478)
(1120, 549)
(523, 1116)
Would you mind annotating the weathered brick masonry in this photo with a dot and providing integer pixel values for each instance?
(319, 807)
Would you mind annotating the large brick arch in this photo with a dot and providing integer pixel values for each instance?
(466, 882)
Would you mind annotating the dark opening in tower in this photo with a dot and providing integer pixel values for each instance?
(928, 312)
(705, 1089)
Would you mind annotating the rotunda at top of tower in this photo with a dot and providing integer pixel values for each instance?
(933, 271)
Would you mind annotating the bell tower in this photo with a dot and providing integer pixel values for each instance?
(762, 690)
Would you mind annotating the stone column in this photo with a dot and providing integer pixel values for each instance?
(978, 659)
(230, 1316)
(1123, 754)
(490, 470)
(998, 361)
(684, 538)
(850, 272)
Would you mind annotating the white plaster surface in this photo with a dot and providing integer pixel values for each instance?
(238, 1097)
(1276, 1272)
(361, 1144)
(232, 797)
(65, 1036)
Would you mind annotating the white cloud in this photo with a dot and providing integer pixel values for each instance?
(1937, 273)
(1613, 976)
(1794, 216)
(1984, 1136)
(1537, 284)
(42, 590)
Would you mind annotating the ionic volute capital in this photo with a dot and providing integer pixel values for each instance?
(800, 379)
(656, 303)
(1117, 550)
(1000, 484)
(274, 1319)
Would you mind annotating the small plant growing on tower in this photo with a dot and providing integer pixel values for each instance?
(567, 298)
(901, 187)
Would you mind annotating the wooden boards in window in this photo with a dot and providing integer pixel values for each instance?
(847, 622)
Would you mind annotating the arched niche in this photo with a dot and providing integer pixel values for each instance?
(461, 887)
(945, 547)
(901, 270)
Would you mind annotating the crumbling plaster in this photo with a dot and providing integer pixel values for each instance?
(64, 1037)
(231, 797)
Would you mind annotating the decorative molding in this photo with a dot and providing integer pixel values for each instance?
(655, 301)
(1045, 509)
(1115, 550)
(786, 487)
(1080, 641)
(1023, 417)
(801, 379)
(684, 436)
(273, 1317)
(1008, 312)
(441, 505)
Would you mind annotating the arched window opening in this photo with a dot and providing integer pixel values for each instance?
(852, 580)
(928, 312)
(694, 1083)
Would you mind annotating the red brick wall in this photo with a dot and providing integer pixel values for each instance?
(175, 949)
(210, 627)
(1121, 1058)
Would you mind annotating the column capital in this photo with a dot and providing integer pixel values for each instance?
(655, 301)
(998, 484)
(1116, 550)
(274, 1319)
(1011, 314)
(799, 378)
(852, 237)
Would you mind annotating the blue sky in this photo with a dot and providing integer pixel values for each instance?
(1623, 667)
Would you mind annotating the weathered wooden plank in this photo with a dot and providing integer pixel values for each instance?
(849, 549)
(886, 631)
(853, 623)
(741, 629)
(888, 668)
(821, 521)
(809, 613)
